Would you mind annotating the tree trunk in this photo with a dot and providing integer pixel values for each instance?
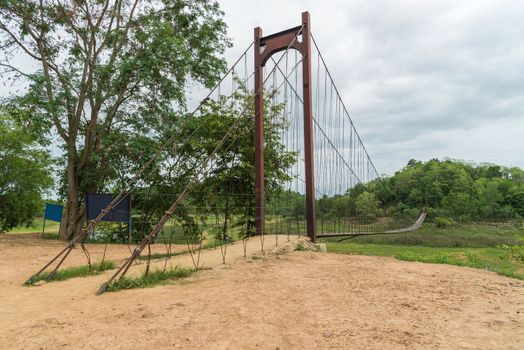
(73, 215)
(71, 221)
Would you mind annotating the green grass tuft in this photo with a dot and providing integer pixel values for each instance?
(72, 272)
(300, 246)
(162, 255)
(153, 278)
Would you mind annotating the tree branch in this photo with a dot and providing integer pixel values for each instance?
(18, 42)
(15, 69)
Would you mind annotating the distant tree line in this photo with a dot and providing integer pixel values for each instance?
(451, 189)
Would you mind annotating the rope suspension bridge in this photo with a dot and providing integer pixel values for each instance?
(270, 150)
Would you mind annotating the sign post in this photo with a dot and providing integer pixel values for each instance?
(52, 212)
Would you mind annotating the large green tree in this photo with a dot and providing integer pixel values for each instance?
(226, 189)
(24, 176)
(111, 77)
(231, 183)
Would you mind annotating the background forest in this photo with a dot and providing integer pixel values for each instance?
(452, 189)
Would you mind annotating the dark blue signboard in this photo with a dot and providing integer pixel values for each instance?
(96, 202)
(53, 212)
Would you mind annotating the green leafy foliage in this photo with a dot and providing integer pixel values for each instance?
(110, 81)
(443, 222)
(228, 189)
(225, 192)
(24, 176)
(367, 206)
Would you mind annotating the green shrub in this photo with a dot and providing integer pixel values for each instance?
(443, 222)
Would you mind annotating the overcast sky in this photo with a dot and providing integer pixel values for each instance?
(421, 79)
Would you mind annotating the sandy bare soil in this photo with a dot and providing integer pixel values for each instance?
(300, 300)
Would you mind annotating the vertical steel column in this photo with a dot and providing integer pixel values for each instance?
(259, 135)
(272, 44)
(308, 127)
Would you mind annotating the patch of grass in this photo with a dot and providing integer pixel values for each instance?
(51, 228)
(162, 255)
(72, 272)
(471, 236)
(501, 260)
(153, 278)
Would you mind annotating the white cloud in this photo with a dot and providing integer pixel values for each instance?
(422, 79)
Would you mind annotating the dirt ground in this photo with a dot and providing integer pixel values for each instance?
(299, 300)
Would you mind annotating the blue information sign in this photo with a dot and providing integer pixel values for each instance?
(53, 212)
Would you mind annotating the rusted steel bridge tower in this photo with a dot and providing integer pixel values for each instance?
(265, 47)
